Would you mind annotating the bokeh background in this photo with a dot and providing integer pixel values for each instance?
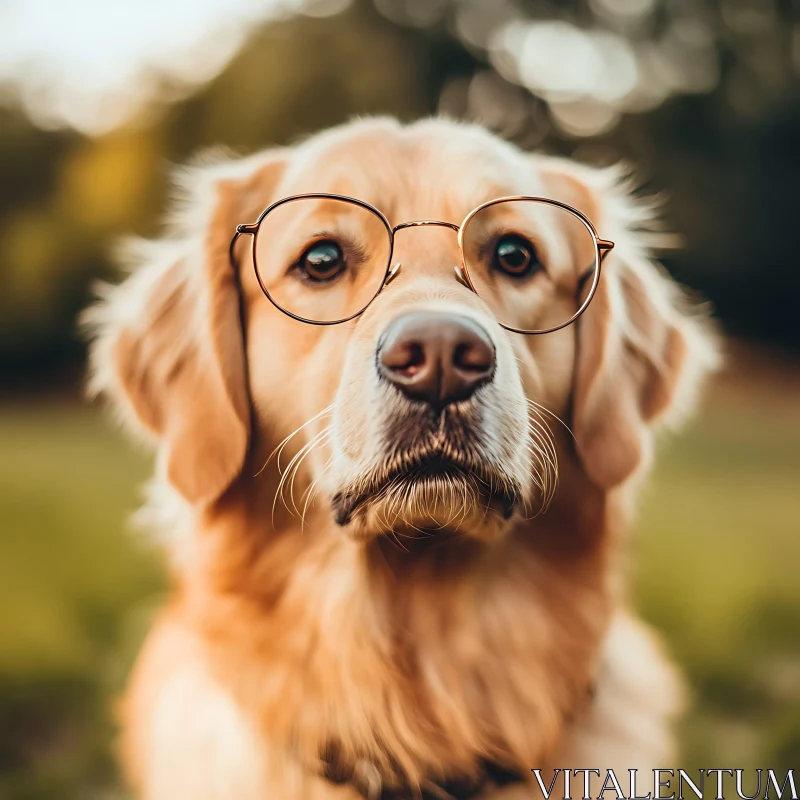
(99, 97)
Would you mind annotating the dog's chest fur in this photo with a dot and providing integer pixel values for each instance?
(462, 658)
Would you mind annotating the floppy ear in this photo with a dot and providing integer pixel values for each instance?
(642, 352)
(168, 345)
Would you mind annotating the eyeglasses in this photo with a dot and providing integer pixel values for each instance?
(323, 258)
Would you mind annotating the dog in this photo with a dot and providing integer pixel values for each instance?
(396, 541)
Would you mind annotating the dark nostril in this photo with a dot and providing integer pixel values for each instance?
(476, 356)
(405, 358)
(436, 357)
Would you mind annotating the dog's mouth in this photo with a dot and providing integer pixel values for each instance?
(432, 483)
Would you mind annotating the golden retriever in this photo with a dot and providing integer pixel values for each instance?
(384, 614)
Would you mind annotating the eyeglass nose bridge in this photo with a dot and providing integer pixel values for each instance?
(422, 222)
(460, 274)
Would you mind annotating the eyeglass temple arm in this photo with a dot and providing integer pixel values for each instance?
(232, 249)
(604, 247)
(249, 230)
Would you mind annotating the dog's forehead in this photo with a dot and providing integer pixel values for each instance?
(436, 169)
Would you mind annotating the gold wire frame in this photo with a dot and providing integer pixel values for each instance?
(602, 248)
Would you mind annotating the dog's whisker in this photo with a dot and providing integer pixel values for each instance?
(312, 491)
(544, 456)
(537, 421)
(544, 410)
(280, 447)
(288, 475)
(292, 470)
(319, 440)
(393, 538)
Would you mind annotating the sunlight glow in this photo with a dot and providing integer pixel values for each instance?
(94, 64)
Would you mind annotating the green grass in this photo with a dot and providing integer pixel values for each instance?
(716, 555)
(73, 586)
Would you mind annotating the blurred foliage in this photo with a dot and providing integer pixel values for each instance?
(716, 571)
(724, 152)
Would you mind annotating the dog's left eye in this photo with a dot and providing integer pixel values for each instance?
(515, 256)
(323, 261)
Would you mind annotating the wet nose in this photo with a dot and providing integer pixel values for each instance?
(436, 357)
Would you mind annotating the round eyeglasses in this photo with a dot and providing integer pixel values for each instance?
(323, 258)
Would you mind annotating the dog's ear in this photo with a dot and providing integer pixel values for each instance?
(641, 350)
(168, 345)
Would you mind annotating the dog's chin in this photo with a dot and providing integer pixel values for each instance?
(428, 501)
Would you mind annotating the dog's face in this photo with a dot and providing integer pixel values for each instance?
(422, 414)
(428, 424)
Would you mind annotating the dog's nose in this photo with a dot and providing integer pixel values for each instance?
(436, 357)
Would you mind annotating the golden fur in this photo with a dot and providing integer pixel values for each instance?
(286, 637)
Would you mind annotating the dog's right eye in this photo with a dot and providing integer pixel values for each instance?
(516, 256)
(323, 261)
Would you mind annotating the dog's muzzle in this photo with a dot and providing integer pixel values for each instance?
(438, 459)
